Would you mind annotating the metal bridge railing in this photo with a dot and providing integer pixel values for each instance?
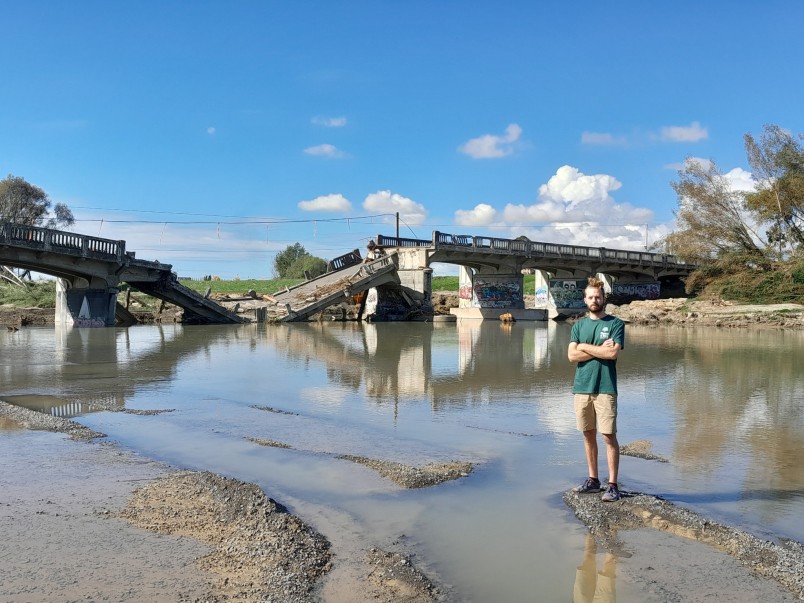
(525, 247)
(46, 239)
(384, 241)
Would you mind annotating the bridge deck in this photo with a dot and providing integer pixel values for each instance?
(492, 251)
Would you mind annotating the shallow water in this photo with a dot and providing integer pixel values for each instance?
(725, 407)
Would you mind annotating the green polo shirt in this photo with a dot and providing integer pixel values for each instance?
(597, 376)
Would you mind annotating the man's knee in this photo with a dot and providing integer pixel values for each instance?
(610, 439)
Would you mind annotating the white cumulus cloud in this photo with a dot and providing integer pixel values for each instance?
(333, 203)
(410, 212)
(741, 180)
(483, 214)
(572, 187)
(691, 133)
(490, 146)
(325, 150)
(571, 207)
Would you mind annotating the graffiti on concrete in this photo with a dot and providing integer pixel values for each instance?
(637, 290)
(465, 292)
(567, 293)
(497, 294)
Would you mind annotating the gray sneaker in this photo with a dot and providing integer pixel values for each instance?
(611, 494)
(588, 486)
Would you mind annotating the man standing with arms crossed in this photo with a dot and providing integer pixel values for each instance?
(595, 343)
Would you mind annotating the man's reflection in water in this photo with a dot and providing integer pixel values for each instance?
(591, 585)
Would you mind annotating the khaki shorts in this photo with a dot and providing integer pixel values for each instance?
(596, 411)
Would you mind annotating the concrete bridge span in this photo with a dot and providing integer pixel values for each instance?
(90, 271)
(491, 271)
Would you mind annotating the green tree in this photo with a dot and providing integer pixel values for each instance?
(308, 264)
(284, 259)
(777, 163)
(25, 203)
(294, 260)
(714, 224)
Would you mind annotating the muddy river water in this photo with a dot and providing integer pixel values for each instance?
(724, 407)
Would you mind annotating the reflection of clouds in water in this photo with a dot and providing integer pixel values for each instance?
(327, 397)
(558, 415)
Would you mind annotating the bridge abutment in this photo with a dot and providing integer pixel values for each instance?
(85, 306)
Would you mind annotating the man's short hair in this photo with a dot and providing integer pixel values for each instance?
(595, 283)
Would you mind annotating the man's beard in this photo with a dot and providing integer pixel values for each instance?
(595, 307)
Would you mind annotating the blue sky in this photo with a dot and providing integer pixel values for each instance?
(210, 135)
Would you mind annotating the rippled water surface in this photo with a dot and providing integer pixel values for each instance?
(725, 407)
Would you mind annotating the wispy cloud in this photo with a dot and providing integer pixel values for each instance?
(325, 150)
(490, 146)
(331, 203)
(410, 212)
(691, 133)
(603, 138)
(329, 122)
(211, 130)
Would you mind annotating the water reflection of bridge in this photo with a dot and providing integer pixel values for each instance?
(421, 360)
(99, 369)
(491, 271)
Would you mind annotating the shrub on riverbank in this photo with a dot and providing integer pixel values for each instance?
(783, 284)
(36, 294)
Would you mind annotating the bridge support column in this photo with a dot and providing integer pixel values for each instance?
(416, 279)
(465, 286)
(85, 307)
(542, 289)
(492, 295)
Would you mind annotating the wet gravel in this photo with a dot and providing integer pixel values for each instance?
(782, 562)
(410, 477)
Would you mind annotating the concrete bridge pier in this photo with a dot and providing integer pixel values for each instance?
(92, 305)
(565, 293)
(489, 294)
(412, 296)
(560, 293)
